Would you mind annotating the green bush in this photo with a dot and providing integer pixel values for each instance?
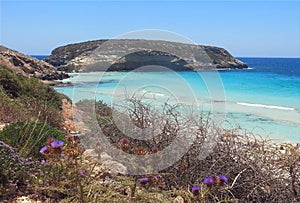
(34, 89)
(10, 83)
(3, 95)
(16, 173)
(29, 138)
(27, 99)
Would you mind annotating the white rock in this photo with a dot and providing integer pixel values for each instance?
(106, 160)
(115, 167)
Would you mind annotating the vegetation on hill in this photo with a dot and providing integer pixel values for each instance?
(28, 99)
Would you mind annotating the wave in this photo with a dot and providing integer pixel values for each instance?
(159, 94)
(153, 93)
(266, 106)
(156, 94)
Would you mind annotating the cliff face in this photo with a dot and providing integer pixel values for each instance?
(126, 55)
(28, 66)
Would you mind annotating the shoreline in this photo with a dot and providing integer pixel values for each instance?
(56, 83)
(124, 71)
(253, 109)
(59, 83)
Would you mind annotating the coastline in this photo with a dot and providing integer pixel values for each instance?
(253, 108)
(56, 83)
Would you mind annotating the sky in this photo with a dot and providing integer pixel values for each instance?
(244, 28)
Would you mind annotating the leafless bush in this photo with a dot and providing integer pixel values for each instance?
(258, 169)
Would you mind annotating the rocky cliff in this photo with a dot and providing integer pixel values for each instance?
(28, 66)
(126, 55)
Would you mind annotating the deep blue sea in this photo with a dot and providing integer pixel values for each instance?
(40, 57)
(264, 100)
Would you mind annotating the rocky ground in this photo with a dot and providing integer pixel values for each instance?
(74, 125)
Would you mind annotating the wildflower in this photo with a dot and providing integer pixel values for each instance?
(155, 178)
(124, 144)
(143, 180)
(208, 181)
(44, 150)
(196, 190)
(140, 151)
(223, 179)
(57, 144)
(50, 140)
(124, 141)
(70, 138)
(154, 149)
(82, 173)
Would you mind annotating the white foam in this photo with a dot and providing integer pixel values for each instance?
(266, 106)
(153, 93)
(159, 94)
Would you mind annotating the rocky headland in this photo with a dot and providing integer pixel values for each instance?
(129, 54)
(28, 66)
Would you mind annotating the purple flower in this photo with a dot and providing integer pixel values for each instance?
(70, 138)
(143, 180)
(208, 181)
(196, 190)
(223, 179)
(124, 141)
(50, 140)
(44, 149)
(82, 173)
(154, 149)
(57, 144)
(155, 178)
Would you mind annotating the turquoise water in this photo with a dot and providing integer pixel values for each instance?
(264, 99)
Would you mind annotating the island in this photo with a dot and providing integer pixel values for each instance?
(129, 54)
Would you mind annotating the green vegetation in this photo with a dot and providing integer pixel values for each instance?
(28, 99)
(28, 138)
(37, 161)
(239, 169)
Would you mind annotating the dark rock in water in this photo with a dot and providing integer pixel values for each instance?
(29, 66)
(55, 76)
(129, 54)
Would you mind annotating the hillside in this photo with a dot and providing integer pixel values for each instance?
(28, 66)
(28, 99)
(129, 54)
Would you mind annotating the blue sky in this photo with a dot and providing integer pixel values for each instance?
(244, 28)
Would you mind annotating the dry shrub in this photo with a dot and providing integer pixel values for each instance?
(258, 170)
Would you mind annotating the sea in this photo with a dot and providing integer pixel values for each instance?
(263, 100)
